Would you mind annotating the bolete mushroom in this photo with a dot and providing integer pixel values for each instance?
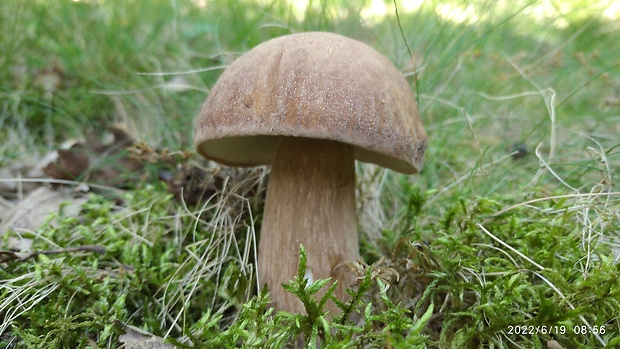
(310, 104)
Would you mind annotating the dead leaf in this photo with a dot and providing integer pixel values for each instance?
(136, 338)
(11, 185)
(20, 244)
(553, 344)
(70, 165)
(96, 162)
(33, 210)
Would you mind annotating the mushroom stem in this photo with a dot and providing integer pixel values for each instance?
(310, 201)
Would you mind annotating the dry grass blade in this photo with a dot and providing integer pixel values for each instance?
(228, 210)
(23, 296)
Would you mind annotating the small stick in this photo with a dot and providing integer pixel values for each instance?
(23, 256)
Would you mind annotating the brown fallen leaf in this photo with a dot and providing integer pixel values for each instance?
(97, 162)
(70, 165)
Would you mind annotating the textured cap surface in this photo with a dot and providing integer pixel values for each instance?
(313, 85)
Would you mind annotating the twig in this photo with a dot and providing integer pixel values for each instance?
(62, 181)
(7, 255)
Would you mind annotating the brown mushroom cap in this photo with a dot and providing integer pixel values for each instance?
(313, 85)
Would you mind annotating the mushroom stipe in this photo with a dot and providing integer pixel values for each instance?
(310, 201)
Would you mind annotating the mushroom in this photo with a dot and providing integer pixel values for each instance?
(310, 104)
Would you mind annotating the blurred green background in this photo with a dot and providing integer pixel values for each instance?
(488, 72)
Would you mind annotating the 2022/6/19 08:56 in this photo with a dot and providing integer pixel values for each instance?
(553, 329)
